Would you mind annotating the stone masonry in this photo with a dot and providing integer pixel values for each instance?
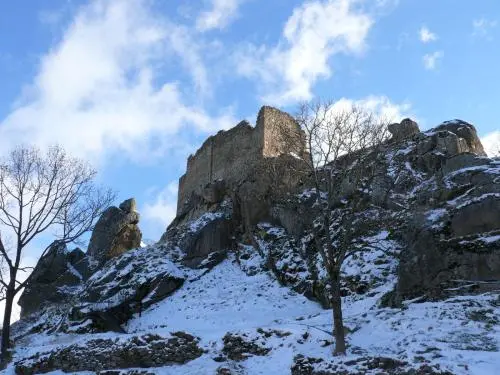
(230, 155)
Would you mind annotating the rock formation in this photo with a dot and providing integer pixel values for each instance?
(55, 274)
(403, 130)
(115, 232)
(441, 170)
(60, 272)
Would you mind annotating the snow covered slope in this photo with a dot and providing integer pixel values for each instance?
(252, 325)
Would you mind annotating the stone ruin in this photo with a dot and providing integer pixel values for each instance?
(233, 154)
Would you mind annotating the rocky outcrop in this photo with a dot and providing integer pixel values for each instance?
(55, 276)
(105, 354)
(451, 231)
(404, 130)
(465, 131)
(115, 232)
(127, 285)
(107, 299)
(211, 222)
(441, 170)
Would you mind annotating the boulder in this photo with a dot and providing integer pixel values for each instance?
(465, 131)
(128, 205)
(239, 347)
(449, 140)
(404, 130)
(115, 232)
(379, 365)
(54, 275)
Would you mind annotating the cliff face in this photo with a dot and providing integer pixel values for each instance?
(235, 281)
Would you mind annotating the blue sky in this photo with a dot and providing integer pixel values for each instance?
(134, 86)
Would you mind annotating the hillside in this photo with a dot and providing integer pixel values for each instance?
(234, 286)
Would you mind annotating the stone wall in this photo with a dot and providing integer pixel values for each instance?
(275, 128)
(230, 155)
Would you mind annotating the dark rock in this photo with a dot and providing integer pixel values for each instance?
(404, 130)
(109, 305)
(465, 131)
(239, 348)
(216, 236)
(115, 232)
(54, 275)
(106, 354)
(128, 205)
(478, 216)
(214, 192)
(431, 264)
(460, 161)
(379, 365)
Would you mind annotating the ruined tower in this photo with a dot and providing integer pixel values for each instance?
(230, 155)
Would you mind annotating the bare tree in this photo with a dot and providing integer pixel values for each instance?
(342, 147)
(41, 192)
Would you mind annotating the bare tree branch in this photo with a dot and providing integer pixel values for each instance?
(41, 192)
(341, 148)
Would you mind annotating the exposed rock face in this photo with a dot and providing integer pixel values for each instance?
(433, 262)
(211, 233)
(106, 354)
(106, 299)
(477, 216)
(442, 169)
(54, 277)
(140, 279)
(115, 232)
(457, 239)
(226, 210)
(404, 130)
(465, 131)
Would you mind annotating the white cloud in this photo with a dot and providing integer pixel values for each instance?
(96, 92)
(379, 105)
(482, 27)
(426, 35)
(221, 13)
(316, 31)
(431, 60)
(162, 210)
(491, 143)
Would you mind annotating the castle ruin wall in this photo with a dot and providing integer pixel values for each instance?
(230, 155)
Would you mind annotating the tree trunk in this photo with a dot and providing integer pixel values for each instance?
(9, 301)
(338, 321)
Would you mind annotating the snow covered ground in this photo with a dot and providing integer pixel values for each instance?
(461, 334)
